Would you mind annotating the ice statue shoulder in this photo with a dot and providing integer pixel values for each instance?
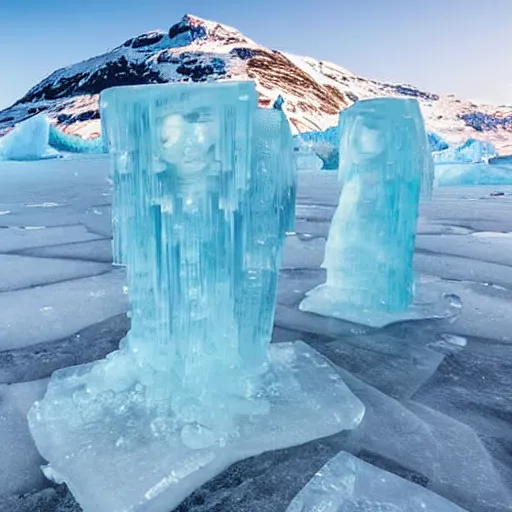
(348, 484)
(385, 163)
(204, 195)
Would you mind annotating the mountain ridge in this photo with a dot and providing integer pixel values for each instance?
(195, 49)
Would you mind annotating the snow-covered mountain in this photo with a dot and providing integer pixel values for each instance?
(195, 49)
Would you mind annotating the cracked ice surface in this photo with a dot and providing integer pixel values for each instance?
(347, 484)
(437, 393)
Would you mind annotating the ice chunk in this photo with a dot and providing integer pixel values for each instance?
(471, 151)
(204, 195)
(436, 142)
(456, 175)
(28, 141)
(63, 141)
(384, 163)
(463, 467)
(348, 484)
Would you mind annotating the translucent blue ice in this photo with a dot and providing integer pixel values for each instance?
(384, 163)
(28, 141)
(204, 195)
(348, 484)
(436, 142)
(326, 145)
(457, 175)
(63, 141)
(471, 151)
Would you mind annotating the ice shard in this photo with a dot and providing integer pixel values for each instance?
(348, 484)
(204, 195)
(385, 163)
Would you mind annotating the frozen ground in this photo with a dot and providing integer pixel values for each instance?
(438, 393)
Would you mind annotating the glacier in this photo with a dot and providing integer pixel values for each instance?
(204, 194)
(385, 167)
(28, 141)
(70, 143)
(349, 484)
(471, 151)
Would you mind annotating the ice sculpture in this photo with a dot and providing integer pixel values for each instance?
(28, 141)
(205, 190)
(385, 162)
(348, 484)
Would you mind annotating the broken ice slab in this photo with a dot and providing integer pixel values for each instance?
(431, 301)
(204, 195)
(384, 163)
(117, 456)
(348, 484)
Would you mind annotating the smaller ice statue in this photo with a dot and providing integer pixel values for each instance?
(385, 166)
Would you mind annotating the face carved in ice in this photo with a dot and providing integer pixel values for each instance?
(188, 142)
(368, 141)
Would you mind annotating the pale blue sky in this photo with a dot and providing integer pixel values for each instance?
(458, 46)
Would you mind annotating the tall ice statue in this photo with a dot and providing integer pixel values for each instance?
(204, 194)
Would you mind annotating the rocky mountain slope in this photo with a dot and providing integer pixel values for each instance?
(198, 50)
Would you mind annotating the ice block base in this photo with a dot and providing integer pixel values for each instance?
(125, 460)
(430, 302)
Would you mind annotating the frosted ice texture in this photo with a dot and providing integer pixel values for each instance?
(348, 484)
(28, 141)
(385, 161)
(204, 194)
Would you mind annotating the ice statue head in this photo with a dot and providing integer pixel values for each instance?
(375, 134)
(188, 141)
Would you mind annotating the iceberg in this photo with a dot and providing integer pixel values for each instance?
(472, 151)
(436, 142)
(28, 141)
(204, 193)
(385, 164)
(70, 143)
(324, 144)
(348, 484)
